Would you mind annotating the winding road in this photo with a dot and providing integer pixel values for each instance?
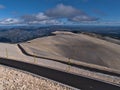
(73, 64)
(11, 55)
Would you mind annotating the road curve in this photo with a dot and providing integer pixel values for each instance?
(72, 64)
(80, 82)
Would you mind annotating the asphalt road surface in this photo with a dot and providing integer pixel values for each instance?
(76, 81)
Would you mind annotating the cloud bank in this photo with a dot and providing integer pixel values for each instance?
(52, 16)
(8, 21)
(69, 12)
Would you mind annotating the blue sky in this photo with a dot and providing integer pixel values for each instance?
(88, 12)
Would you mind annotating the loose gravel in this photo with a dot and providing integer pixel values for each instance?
(12, 79)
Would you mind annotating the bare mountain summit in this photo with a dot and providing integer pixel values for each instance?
(79, 47)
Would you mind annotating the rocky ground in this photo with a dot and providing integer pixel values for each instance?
(12, 79)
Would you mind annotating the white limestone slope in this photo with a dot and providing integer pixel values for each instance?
(11, 51)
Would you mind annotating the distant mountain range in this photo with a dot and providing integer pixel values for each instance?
(16, 34)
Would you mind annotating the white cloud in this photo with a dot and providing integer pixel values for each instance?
(54, 22)
(9, 21)
(83, 18)
(41, 16)
(63, 11)
(69, 12)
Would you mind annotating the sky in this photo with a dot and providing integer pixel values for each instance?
(60, 12)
